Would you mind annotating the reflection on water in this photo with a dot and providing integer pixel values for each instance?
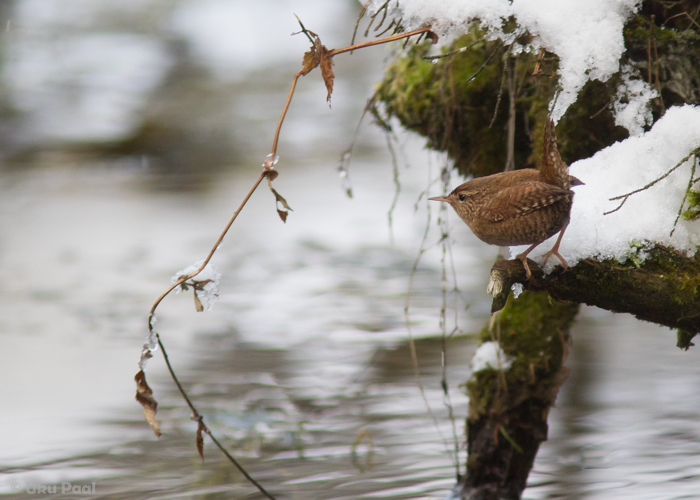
(303, 367)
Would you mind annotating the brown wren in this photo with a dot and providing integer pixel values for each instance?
(520, 207)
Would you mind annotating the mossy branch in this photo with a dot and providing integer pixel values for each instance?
(508, 408)
(664, 289)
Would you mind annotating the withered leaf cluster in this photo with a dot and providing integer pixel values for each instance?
(196, 285)
(319, 55)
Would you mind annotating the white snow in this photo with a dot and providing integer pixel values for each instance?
(635, 113)
(490, 355)
(587, 37)
(209, 293)
(150, 345)
(517, 289)
(646, 216)
(585, 34)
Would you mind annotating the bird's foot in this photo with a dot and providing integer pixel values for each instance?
(523, 258)
(555, 251)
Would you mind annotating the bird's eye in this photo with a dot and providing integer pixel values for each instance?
(462, 197)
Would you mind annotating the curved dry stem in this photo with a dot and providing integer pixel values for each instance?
(182, 279)
(350, 48)
(284, 112)
(270, 174)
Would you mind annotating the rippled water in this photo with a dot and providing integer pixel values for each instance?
(303, 368)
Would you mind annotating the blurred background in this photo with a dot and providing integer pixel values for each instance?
(129, 133)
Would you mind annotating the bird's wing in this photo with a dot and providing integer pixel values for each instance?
(520, 200)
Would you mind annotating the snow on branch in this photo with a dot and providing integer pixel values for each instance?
(654, 169)
(585, 34)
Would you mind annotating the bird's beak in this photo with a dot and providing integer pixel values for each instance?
(438, 198)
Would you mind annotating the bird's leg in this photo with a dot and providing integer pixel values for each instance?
(523, 257)
(555, 250)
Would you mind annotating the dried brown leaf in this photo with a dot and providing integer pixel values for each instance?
(432, 36)
(144, 395)
(310, 61)
(279, 198)
(200, 439)
(272, 174)
(197, 303)
(326, 63)
(183, 285)
(199, 285)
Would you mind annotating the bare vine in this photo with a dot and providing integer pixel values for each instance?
(317, 56)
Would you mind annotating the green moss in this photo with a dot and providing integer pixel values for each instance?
(446, 103)
(454, 109)
(534, 331)
(674, 267)
(452, 101)
(693, 211)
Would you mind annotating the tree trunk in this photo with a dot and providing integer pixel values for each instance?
(508, 408)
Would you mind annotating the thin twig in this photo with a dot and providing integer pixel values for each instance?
(357, 23)
(384, 6)
(685, 195)
(411, 341)
(624, 197)
(445, 243)
(471, 78)
(453, 52)
(500, 91)
(284, 112)
(606, 106)
(196, 416)
(233, 460)
(182, 279)
(335, 52)
(391, 25)
(512, 87)
(692, 20)
(346, 155)
(304, 30)
(266, 172)
(381, 21)
(397, 185)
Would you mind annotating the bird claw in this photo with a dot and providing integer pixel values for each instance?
(523, 258)
(554, 251)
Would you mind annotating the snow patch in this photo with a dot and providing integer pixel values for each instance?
(646, 216)
(490, 356)
(208, 293)
(585, 34)
(632, 102)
